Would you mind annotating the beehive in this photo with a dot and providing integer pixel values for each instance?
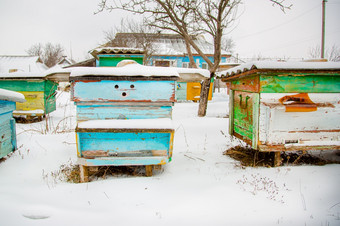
(281, 106)
(124, 115)
(7, 123)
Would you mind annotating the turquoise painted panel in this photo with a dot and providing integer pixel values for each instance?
(122, 161)
(181, 91)
(124, 91)
(6, 106)
(102, 112)
(117, 144)
(6, 145)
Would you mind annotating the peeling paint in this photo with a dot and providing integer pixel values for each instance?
(298, 103)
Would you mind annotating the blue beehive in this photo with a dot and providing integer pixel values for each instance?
(124, 115)
(7, 122)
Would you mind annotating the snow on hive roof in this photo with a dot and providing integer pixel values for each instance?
(161, 123)
(274, 65)
(21, 64)
(22, 75)
(11, 96)
(203, 72)
(127, 70)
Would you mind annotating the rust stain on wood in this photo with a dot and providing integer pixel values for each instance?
(298, 103)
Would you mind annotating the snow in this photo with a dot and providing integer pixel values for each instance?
(201, 186)
(31, 112)
(22, 64)
(275, 65)
(127, 70)
(11, 96)
(163, 123)
(203, 72)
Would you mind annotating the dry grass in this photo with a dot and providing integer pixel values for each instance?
(254, 158)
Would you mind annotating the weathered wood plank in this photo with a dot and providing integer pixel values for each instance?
(93, 112)
(124, 161)
(125, 91)
(250, 84)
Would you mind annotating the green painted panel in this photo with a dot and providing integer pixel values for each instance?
(299, 84)
(50, 96)
(22, 85)
(243, 113)
(113, 61)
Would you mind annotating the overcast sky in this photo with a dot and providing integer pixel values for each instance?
(260, 30)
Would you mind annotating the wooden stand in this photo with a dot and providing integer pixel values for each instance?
(277, 159)
(84, 174)
(148, 170)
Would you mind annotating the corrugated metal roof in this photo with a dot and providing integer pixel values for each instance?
(115, 50)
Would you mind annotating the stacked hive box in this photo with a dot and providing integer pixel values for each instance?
(7, 123)
(124, 115)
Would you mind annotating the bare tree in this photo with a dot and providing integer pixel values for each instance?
(228, 44)
(35, 50)
(188, 18)
(132, 34)
(331, 54)
(49, 53)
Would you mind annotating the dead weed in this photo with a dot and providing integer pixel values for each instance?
(254, 158)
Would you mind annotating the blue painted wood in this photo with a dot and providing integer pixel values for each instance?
(7, 128)
(124, 142)
(102, 112)
(121, 161)
(181, 91)
(124, 91)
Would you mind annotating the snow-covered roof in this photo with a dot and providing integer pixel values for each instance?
(129, 70)
(22, 75)
(164, 44)
(11, 96)
(274, 65)
(21, 64)
(162, 123)
(173, 47)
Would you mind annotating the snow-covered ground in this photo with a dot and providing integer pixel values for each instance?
(201, 186)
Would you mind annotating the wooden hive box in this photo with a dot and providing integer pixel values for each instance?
(7, 123)
(189, 84)
(38, 91)
(285, 106)
(124, 115)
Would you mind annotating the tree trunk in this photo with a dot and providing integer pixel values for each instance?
(204, 96)
(192, 63)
